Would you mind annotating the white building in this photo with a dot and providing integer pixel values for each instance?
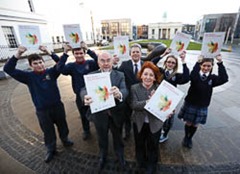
(163, 30)
(12, 14)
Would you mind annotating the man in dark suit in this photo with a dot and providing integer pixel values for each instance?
(130, 69)
(110, 118)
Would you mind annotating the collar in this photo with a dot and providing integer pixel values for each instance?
(138, 63)
(170, 71)
(40, 73)
(81, 63)
(201, 73)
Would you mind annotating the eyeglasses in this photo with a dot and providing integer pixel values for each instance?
(171, 62)
(105, 61)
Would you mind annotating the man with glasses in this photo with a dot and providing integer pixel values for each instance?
(76, 70)
(110, 118)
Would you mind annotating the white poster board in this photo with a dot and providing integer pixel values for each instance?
(164, 100)
(98, 87)
(121, 47)
(179, 43)
(30, 36)
(212, 44)
(72, 34)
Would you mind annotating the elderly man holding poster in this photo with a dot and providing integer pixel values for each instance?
(111, 118)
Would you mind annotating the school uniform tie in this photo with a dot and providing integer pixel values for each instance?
(167, 74)
(204, 77)
(135, 69)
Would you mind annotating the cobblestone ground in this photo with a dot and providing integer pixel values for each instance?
(26, 146)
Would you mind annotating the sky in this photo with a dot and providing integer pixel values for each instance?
(141, 12)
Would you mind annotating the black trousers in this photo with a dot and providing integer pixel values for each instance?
(83, 110)
(146, 146)
(47, 118)
(102, 134)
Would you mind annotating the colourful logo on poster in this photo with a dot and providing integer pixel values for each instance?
(32, 39)
(103, 93)
(122, 48)
(164, 103)
(74, 37)
(212, 47)
(179, 46)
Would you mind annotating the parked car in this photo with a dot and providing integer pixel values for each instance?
(102, 43)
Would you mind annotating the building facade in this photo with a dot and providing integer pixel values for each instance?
(142, 32)
(116, 27)
(12, 14)
(188, 29)
(163, 30)
(225, 22)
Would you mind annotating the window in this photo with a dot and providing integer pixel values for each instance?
(9, 36)
(153, 31)
(58, 39)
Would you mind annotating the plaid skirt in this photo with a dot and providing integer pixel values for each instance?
(193, 114)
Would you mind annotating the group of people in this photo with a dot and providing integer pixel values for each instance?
(133, 84)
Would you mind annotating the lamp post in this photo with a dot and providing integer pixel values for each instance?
(93, 31)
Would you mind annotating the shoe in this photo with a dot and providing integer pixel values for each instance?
(127, 136)
(49, 156)
(101, 163)
(85, 136)
(121, 160)
(189, 145)
(163, 138)
(67, 143)
(185, 142)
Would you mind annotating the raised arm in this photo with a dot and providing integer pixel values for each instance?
(185, 76)
(48, 52)
(61, 67)
(10, 66)
(155, 60)
(222, 73)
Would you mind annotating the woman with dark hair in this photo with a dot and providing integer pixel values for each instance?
(195, 108)
(146, 127)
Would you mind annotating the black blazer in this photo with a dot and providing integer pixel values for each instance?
(127, 68)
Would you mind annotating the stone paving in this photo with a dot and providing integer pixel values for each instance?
(215, 149)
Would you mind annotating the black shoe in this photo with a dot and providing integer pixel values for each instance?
(189, 145)
(86, 136)
(185, 142)
(121, 161)
(127, 136)
(102, 162)
(67, 143)
(49, 156)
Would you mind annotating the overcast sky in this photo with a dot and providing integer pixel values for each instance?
(141, 12)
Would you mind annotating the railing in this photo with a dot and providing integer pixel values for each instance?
(6, 52)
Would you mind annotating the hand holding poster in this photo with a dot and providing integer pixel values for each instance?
(212, 44)
(164, 100)
(72, 34)
(98, 88)
(179, 43)
(121, 46)
(30, 36)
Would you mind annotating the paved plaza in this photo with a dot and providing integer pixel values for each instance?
(216, 145)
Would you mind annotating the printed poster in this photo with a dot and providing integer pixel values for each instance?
(30, 36)
(164, 100)
(98, 87)
(212, 44)
(121, 46)
(179, 43)
(72, 34)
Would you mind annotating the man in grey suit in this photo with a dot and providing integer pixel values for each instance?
(110, 118)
